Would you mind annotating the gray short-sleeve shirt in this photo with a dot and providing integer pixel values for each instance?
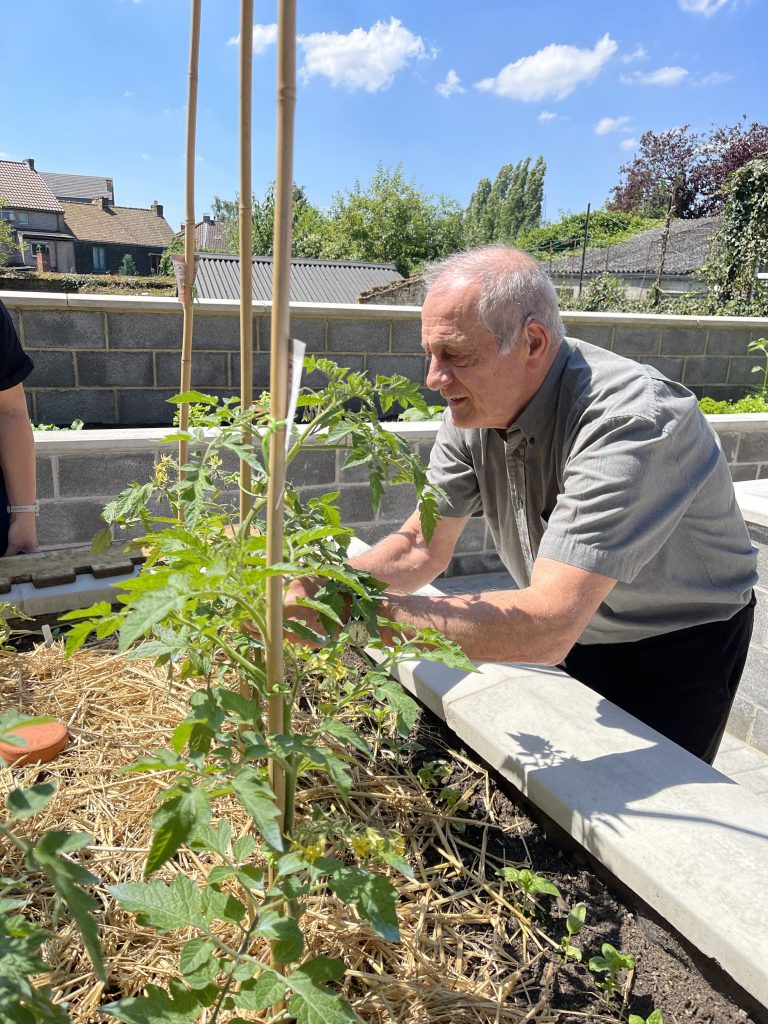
(612, 468)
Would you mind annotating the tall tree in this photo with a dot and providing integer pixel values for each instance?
(391, 221)
(308, 223)
(7, 238)
(501, 211)
(741, 245)
(687, 169)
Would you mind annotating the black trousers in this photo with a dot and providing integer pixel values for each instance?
(681, 683)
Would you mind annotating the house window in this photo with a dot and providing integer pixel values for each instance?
(22, 218)
(154, 262)
(100, 257)
(7, 215)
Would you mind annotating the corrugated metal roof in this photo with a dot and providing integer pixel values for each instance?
(332, 281)
(127, 225)
(78, 186)
(687, 250)
(24, 189)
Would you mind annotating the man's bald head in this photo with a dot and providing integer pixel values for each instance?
(512, 289)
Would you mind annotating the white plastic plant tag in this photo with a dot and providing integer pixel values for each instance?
(296, 350)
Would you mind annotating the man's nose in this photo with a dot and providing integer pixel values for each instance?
(438, 375)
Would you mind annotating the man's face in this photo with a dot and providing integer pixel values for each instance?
(482, 387)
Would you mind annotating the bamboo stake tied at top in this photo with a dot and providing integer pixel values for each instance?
(279, 365)
(189, 229)
(246, 239)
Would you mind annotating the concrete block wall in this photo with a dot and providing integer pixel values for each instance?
(115, 360)
(749, 716)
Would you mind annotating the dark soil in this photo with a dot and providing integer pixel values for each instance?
(665, 975)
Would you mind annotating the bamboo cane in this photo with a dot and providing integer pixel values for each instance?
(189, 229)
(246, 239)
(279, 360)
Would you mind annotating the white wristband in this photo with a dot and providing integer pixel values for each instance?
(25, 508)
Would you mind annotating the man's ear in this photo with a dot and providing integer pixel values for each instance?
(537, 340)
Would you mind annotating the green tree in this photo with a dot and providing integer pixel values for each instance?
(7, 238)
(606, 227)
(392, 221)
(741, 245)
(127, 266)
(501, 211)
(307, 230)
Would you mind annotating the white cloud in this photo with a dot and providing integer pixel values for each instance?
(661, 76)
(361, 59)
(639, 53)
(716, 78)
(606, 125)
(145, 156)
(549, 115)
(128, 93)
(264, 36)
(554, 71)
(451, 85)
(705, 7)
(5, 156)
(629, 144)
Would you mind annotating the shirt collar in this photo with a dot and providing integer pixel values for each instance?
(533, 420)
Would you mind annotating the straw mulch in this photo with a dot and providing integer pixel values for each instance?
(455, 962)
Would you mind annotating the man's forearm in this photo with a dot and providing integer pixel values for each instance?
(489, 627)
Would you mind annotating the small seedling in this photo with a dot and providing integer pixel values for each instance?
(573, 924)
(654, 1017)
(760, 345)
(433, 772)
(531, 883)
(610, 963)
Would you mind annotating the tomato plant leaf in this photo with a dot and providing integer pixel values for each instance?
(23, 803)
(284, 933)
(160, 905)
(255, 795)
(373, 896)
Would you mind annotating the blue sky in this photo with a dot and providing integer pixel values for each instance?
(450, 90)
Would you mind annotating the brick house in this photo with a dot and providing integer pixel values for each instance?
(72, 223)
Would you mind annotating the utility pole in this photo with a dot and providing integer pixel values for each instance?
(584, 247)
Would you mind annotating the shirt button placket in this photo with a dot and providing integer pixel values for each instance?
(517, 475)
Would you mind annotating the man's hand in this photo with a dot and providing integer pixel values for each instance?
(307, 587)
(22, 535)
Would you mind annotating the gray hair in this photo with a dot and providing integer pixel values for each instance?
(514, 289)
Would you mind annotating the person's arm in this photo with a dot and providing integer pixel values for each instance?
(405, 561)
(538, 624)
(17, 460)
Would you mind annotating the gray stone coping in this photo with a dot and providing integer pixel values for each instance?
(752, 496)
(689, 841)
(363, 311)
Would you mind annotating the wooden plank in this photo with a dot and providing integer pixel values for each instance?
(77, 560)
(52, 579)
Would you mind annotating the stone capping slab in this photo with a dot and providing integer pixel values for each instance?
(167, 304)
(752, 496)
(666, 824)
(357, 311)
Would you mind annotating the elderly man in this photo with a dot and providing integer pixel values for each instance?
(607, 497)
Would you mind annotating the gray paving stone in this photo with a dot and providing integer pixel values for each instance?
(145, 330)
(725, 341)
(756, 781)
(705, 369)
(63, 329)
(209, 369)
(69, 522)
(358, 336)
(742, 759)
(121, 369)
(86, 476)
(62, 407)
(216, 332)
(595, 334)
(683, 341)
(412, 367)
(52, 369)
(740, 372)
(406, 336)
(637, 341)
(310, 330)
(44, 476)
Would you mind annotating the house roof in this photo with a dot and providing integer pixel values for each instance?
(687, 250)
(120, 225)
(209, 234)
(78, 186)
(24, 189)
(333, 281)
